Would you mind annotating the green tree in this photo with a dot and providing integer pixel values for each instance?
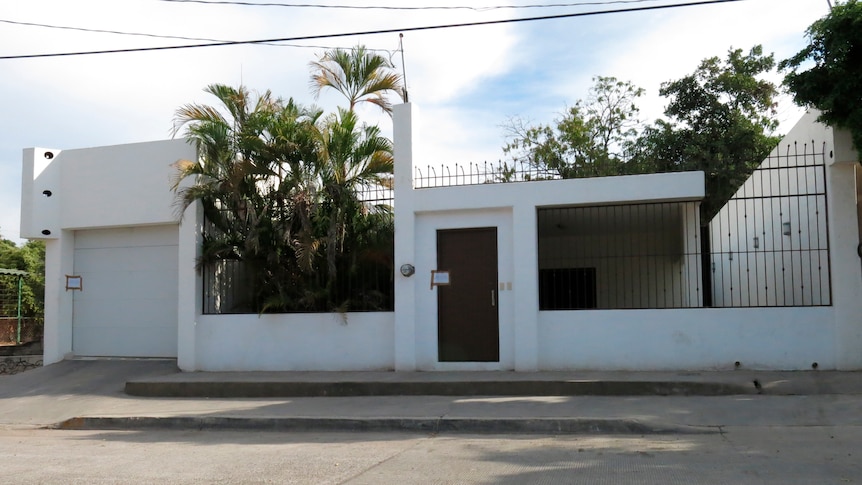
(30, 258)
(281, 186)
(833, 84)
(360, 75)
(588, 140)
(254, 185)
(720, 121)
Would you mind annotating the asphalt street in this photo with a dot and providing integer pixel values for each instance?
(749, 455)
(73, 423)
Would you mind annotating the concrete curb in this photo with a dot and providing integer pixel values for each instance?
(278, 389)
(418, 425)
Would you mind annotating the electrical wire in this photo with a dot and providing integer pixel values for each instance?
(381, 7)
(159, 36)
(101, 31)
(373, 32)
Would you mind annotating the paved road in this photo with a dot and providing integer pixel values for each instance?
(755, 455)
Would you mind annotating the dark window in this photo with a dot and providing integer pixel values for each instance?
(567, 288)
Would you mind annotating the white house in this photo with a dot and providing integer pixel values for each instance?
(604, 273)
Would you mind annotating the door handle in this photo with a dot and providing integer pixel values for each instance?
(493, 299)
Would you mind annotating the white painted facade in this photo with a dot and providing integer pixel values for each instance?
(111, 193)
(107, 215)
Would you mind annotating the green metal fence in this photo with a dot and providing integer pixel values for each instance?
(16, 327)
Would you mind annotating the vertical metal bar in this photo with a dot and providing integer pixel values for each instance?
(809, 251)
(776, 235)
(661, 270)
(781, 216)
(743, 249)
(763, 249)
(792, 225)
(729, 250)
(827, 222)
(20, 312)
(651, 279)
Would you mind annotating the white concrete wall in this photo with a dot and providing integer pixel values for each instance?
(419, 213)
(756, 277)
(843, 245)
(688, 339)
(121, 185)
(41, 194)
(91, 188)
(295, 342)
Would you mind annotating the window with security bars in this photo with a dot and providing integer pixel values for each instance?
(620, 256)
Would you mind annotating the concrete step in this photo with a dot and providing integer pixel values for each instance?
(600, 426)
(253, 388)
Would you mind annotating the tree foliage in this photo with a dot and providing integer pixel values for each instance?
(282, 187)
(720, 119)
(30, 258)
(833, 84)
(588, 140)
(359, 75)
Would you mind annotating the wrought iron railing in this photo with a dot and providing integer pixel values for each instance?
(769, 244)
(479, 173)
(231, 286)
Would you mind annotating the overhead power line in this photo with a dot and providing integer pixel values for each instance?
(429, 7)
(374, 32)
(102, 31)
(156, 36)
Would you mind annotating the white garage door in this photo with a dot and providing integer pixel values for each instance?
(128, 304)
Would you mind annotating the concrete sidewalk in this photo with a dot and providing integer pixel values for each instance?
(575, 383)
(83, 394)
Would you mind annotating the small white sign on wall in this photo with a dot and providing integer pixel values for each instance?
(439, 278)
(74, 282)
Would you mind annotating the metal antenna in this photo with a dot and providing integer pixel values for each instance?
(403, 68)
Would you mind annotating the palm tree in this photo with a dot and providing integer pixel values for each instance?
(282, 191)
(360, 75)
(353, 158)
(248, 179)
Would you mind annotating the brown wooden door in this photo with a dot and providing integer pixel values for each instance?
(467, 319)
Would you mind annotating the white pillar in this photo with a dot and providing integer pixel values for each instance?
(189, 306)
(843, 242)
(405, 236)
(526, 288)
(59, 305)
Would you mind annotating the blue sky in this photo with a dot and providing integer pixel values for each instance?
(466, 82)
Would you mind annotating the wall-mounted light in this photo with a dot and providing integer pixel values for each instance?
(785, 228)
(756, 242)
(407, 270)
(47, 193)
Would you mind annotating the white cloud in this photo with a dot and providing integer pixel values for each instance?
(466, 80)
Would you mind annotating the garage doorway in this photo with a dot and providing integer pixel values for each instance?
(127, 306)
